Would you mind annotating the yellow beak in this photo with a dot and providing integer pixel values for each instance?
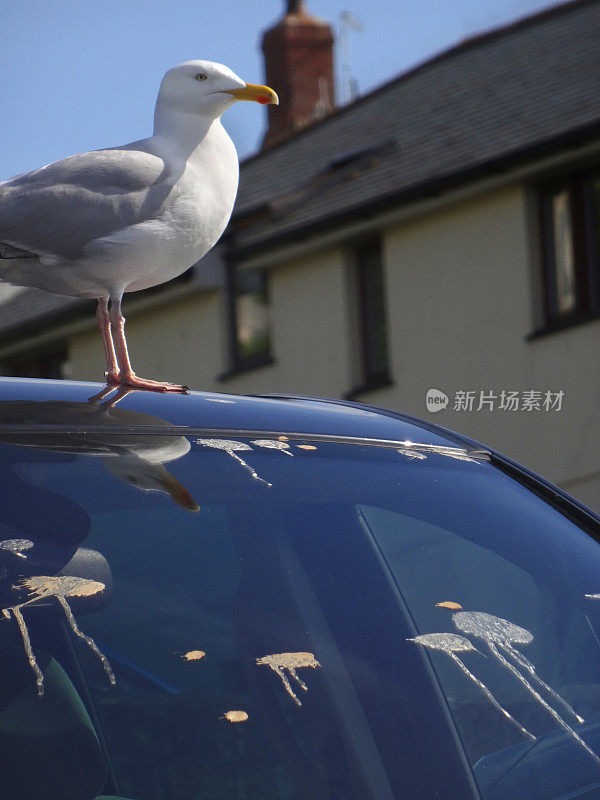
(178, 492)
(252, 91)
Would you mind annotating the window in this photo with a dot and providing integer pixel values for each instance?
(249, 313)
(372, 322)
(571, 239)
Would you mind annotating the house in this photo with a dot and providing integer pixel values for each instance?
(433, 247)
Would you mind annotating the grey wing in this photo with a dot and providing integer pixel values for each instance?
(56, 210)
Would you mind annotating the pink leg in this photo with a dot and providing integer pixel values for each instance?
(112, 367)
(127, 376)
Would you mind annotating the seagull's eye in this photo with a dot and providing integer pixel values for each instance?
(201, 76)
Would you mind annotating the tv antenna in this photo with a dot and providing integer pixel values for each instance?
(349, 83)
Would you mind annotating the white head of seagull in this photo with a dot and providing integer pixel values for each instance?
(204, 89)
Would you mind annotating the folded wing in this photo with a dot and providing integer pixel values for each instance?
(58, 209)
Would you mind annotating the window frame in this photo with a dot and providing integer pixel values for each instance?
(237, 361)
(369, 378)
(585, 249)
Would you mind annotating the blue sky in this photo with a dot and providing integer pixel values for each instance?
(78, 75)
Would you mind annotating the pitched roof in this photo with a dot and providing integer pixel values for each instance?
(532, 84)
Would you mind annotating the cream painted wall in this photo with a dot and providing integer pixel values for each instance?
(310, 327)
(460, 311)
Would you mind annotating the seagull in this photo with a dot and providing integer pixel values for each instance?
(126, 218)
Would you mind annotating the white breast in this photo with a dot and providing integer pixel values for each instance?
(195, 215)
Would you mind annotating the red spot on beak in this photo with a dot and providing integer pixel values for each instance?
(264, 100)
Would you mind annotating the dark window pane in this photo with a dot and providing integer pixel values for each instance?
(252, 315)
(571, 233)
(563, 252)
(373, 314)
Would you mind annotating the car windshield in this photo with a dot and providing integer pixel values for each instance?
(249, 617)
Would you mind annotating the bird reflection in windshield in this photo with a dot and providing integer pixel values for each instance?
(137, 459)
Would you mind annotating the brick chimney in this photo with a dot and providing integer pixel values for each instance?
(298, 55)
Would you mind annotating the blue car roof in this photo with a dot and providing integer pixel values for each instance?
(212, 412)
